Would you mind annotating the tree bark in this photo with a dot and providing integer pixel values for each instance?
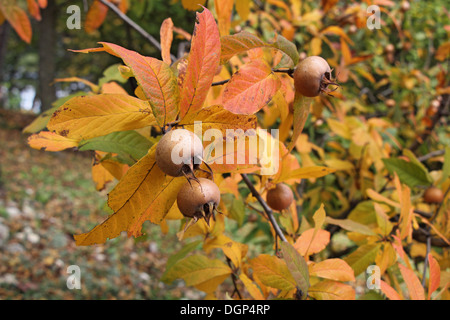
(4, 32)
(47, 56)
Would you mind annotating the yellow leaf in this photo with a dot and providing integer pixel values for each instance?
(272, 272)
(339, 128)
(199, 271)
(386, 257)
(193, 5)
(235, 251)
(251, 287)
(87, 117)
(50, 141)
(308, 172)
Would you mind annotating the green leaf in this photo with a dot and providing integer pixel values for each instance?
(287, 47)
(297, 267)
(363, 257)
(235, 207)
(124, 142)
(446, 167)
(408, 153)
(112, 73)
(409, 173)
(173, 259)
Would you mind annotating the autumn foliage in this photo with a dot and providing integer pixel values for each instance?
(359, 182)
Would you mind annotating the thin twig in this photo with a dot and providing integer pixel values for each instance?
(135, 26)
(234, 279)
(431, 155)
(219, 83)
(266, 208)
(426, 261)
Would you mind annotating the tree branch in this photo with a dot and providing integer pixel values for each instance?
(135, 26)
(266, 208)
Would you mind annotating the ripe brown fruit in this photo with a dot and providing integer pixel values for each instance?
(280, 197)
(390, 103)
(198, 199)
(433, 195)
(312, 76)
(179, 152)
(389, 48)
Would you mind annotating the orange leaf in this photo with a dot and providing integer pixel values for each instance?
(316, 244)
(17, 18)
(202, 64)
(332, 290)
(435, 275)
(50, 141)
(413, 284)
(224, 9)
(389, 291)
(101, 176)
(42, 3)
(95, 16)
(33, 9)
(166, 35)
(251, 88)
(333, 269)
(144, 193)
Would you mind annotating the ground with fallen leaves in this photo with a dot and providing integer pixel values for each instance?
(47, 197)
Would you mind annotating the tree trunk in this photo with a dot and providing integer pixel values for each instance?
(47, 56)
(4, 32)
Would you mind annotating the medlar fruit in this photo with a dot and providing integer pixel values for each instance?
(199, 199)
(433, 195)
(312, 76)
(179, 152)
(280, 197)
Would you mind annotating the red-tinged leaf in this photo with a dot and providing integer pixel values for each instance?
(95, 16)
(17, 18)
(301, 112)
(166, 37)
(332, 290)
(202, 64)
(155, 78)
(50, 141)
(87, 117)
(333, 269)
(251, 88)
(435, 275)
(413, 284)
(33, 9)
(390, 293)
